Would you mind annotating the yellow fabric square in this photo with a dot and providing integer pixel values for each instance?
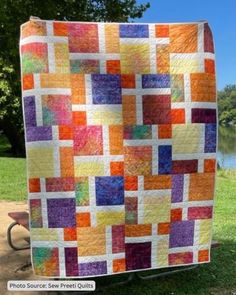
(89, 168)
(112, 38)
(187, 138)
(162, 252)
(110, 218)
(156, 209)
(135, 58)
(106, 118)
(40, 162)
(184, 66)
(91, 241)
(44, 234)
(205, 231)
(62, 58)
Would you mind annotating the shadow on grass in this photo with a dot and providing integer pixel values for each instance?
(5, 148)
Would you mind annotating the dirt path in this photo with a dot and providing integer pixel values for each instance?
(12, 263)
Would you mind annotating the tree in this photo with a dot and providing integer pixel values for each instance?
(15, 12)
(227, 105)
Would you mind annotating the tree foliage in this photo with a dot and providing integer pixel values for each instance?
(227, 105)
(15, 12)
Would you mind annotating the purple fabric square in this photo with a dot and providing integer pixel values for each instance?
(30, 111)
(71, 261)
(181, 233)
(61, 213)
(177, 188)
(210, 138)
(93, 268)
(138, 255)
(39, 133)
(109, 190)
(134, 31)
(155, 81)
(106, 89)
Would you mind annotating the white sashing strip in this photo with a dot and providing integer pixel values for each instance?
(189, 104)
(154, 246)
(196, 239)
(49, 26)
(61, 253)
(152, 38)
(154, 150)
(146, 91)
(144, 41)
(102, 50)
(109, 249)
(47, 91)
(201, 37)
(51, 195)
(187, 98)
(88, 87)
(194, 56)
(97, 56)
(51, 58)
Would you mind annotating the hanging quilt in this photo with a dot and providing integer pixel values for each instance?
(120, 130)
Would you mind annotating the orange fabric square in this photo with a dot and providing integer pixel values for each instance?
(116, 139)
(131, 183)
(209, 165)
(163, 59)
(119, 265)
(176, 214)
(117, 168)
(79, 118)
(129, 109)
(203, 255)
(70, 234)
(138, 230)
(34, 185)
(112, 44)
(113, 66)
(162, 31)
(60, 29)
(203, 87)
(127, 81)
(165, 131)
(78, 88)
(201, 186)
(83, 219)
(67, 161)
(163, 228)
(183, 38)
(210, 66)
(178, 116)
(28, 81)
(155, 182)
(65, 132)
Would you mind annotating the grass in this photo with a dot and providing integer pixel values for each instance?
(218, 277)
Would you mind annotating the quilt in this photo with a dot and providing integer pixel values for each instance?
(121, 134)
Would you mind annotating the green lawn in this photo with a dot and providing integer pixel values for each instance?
(218, 277)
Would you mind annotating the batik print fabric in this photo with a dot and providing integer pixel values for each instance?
(120, 128)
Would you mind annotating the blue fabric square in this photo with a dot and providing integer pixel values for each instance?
(210, 138)
(109, 190)
(134, 31)
(164, 159)
(155, 81)
(106, 89)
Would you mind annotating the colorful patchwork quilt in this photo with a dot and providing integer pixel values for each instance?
(120, 129)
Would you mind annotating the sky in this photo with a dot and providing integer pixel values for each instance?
(221, 16)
